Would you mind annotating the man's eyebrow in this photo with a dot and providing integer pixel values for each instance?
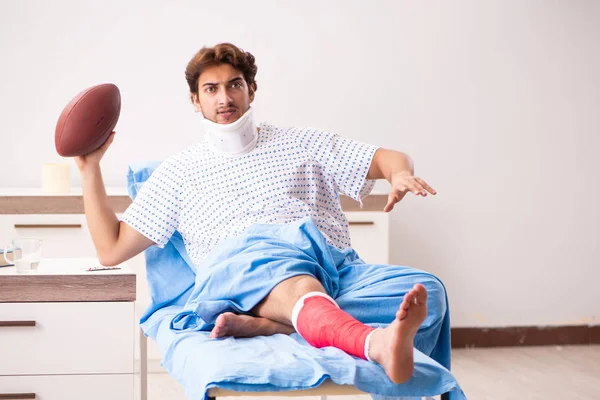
(239, 78)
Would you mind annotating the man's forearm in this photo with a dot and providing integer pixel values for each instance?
(387, 162)
(101, 219)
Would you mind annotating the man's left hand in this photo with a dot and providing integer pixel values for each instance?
(402, 183)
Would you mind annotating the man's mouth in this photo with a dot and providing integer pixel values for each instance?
(227, 112)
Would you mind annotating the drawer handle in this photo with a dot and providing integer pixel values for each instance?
(362, 223)
(48, 226)
(16, 323)
(15, 396)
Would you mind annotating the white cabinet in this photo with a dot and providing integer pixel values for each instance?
(68, 387)
(66, 338)
(66, 333)
(369, 233)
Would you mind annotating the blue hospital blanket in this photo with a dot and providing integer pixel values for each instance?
(185, 303)
(280, 363)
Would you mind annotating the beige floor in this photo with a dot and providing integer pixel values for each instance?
(531, 373)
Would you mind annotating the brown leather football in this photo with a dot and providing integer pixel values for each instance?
(88, 120)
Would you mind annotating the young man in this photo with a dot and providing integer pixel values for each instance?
(251, 182)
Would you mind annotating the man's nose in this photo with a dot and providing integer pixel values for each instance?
(223, 97)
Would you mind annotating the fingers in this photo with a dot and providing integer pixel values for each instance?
(106, 144)
(79, 161)
(408, 186)
(415, 185)
(417, 189)
(426, 186)
(421, 187)
(392, 199)
(110, 139)
(405, 184)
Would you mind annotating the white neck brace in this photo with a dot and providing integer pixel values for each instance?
(232, 140)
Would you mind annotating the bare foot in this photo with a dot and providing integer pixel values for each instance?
(392, 347)
(243, 326)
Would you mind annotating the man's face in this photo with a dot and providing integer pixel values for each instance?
(223, 95)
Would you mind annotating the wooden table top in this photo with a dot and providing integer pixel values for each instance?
(66, 279)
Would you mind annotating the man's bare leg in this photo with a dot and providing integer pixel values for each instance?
(243, 326)
(391, 347)
(271, 319)
(278, 304)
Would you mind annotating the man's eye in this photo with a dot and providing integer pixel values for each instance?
(210, 89)
(236, 85)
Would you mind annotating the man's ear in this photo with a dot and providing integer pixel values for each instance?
(252, 90)
(196, 103)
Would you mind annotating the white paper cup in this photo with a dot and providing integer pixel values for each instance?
(56, 178)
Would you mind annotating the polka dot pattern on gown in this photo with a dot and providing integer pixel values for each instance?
(292, 173)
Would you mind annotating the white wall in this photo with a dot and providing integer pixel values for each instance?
(497, 102)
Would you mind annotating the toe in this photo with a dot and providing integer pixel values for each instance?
(408, 299)
(401, 314)
(222, 321)
(420, 294)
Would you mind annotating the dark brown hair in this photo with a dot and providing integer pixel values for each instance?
(224, 53)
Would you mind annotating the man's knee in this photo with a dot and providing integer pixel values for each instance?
(279, 303)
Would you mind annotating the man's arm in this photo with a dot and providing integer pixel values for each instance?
(115, 241)
(387, 162)
(398, 169)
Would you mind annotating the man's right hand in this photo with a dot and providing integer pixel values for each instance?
(93, 158)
